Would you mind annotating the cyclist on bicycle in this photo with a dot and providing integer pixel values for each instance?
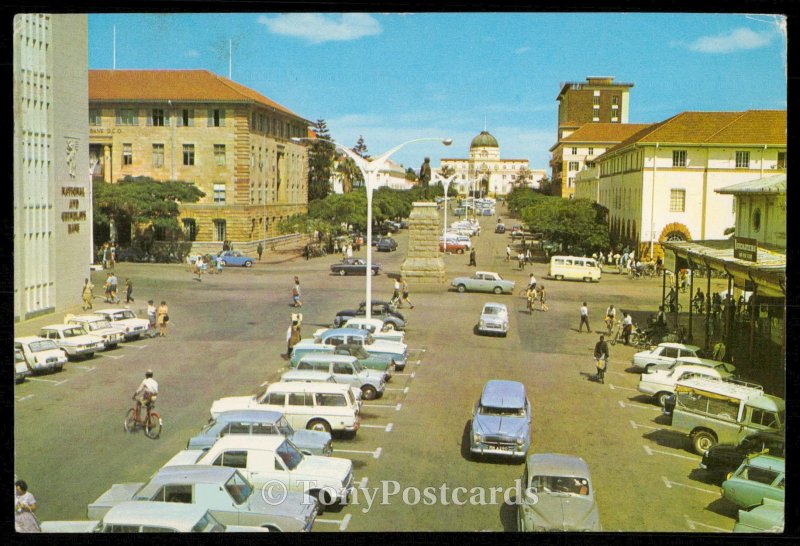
(147, 392)
(611, 316)
(601, 357)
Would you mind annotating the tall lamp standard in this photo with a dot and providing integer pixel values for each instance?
(369, 169)
(446, 183)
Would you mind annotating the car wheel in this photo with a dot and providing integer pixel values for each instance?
(374, 272)
(319, 425)
(389, 327)
(342, 273)
(661, 398)
(559, 277)
(462, 288)
(497, 290)
(702, 441)
(369, 392)
(248, 263)
(587, 279)
(461, 251)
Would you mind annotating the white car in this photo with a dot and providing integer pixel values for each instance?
(21, 369)
(661, 383)
(41, 354)
(662, 356)
(274, 459)
(494, 319)
(126, 319)
(73, 339)
(97, 325)
(375, 326)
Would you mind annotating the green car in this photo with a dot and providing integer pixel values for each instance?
(758, 478)
(768, 517)
(382, 363)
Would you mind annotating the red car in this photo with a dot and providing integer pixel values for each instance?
(452, 247)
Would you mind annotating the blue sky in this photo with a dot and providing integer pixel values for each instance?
(395, 77)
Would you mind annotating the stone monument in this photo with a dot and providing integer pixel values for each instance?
(423, 263)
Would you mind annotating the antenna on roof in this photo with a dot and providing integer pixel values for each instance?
(114, 50)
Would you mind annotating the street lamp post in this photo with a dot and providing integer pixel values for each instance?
(446, 183)
(369, 169)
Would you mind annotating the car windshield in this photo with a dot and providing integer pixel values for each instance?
(358, 367)
(99, 325)
(208, 524)
(284, 426)
(74, 332)
(560, 484)
(125, 315)
(238, 488)
(358, 351)
(289, 454)
(44, 345)
(492, 410)
(493, 311)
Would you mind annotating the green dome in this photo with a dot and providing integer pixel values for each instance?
(484, 140)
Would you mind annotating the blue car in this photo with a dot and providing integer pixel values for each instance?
(234, 257)
(501, 421)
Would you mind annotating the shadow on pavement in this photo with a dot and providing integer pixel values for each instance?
(668, 438)
(723, 507)
(508, 516)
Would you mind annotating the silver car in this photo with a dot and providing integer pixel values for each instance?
(493, 319)
(501, 420)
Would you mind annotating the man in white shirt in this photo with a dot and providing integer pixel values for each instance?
(147, 392)
(627, 326)
(584, 319)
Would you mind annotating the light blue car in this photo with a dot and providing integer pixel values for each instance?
(501, 421)
(483, 281)
(234, 257)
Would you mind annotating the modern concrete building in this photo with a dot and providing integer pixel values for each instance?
(661, 183)
(487, 170)
(195, 126)
(52, 186)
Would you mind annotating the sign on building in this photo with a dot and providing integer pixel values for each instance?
(745, 249)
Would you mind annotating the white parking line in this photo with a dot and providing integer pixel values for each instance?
(412, 374)
(137, 346)
(615, 387)
(404, 389)
(397, 406)
(669, 485)
(24, 398)
(342, 523)
(650, 451)
(87, 368)
(629, 405)
(635, 425)
(375, 454)
(387, 428)
(692, 524)
(112, 356)
(48, 380)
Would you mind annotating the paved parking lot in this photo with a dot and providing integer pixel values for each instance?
(226, 337)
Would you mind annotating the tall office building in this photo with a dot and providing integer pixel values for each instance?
(52, 191)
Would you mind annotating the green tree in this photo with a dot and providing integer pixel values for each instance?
(321, 154)
(579, 224)
(524, 176)
(349, 172)
(361, 148)
(410, 174)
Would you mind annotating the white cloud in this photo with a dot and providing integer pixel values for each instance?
(192, 54)
(317, 28)
(521, 50)
(736, 40)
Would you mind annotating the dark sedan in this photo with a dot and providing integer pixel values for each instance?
(380, 309)
(720, 459)
(387, 244)
(354, 266)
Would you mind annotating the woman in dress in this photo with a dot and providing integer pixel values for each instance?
(162, 317)
(24, 507)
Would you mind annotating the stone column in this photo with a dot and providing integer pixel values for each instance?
(106, 164)
(423, 263)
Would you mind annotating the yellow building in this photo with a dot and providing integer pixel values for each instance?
(192, 125)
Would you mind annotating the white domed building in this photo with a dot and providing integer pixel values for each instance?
(495, 175)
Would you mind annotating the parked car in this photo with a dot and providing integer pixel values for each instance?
(73, 340)
(720, 459)
(383, 363)
(500, 228)
(313, 376)
(577, 268)
(377, 327)
(712, 411)
(346, 370)
(41, 355)
(151, 517)
(266, 460)
(338, 336)
(99, 326)
(758, 478)
(21, 369)
(493, 319)
(768, 517)
(661, 383)
(235, 257)
(452, 246)
(559, 495)
(261, 422)
(386, 244)
(663, 356)
(483, 281)
(314, 406)
(501, 420)
(126, 319)
(222, 490)
(404, 224)
(354, 266)
(380, 309)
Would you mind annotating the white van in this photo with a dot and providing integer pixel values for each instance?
(574, 268)
(314, 406)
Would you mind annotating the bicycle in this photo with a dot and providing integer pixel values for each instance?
(151, 423)
(601, 369)
(615, 332)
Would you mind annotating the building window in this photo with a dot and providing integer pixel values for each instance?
(219, 230)
(756, 220)
(678, 158)
(188, 154)
(158, 155)
(574, 165)
(219, 193)
(189, 229)
(187, 117)
(570, 181)
(253, 122)
(216, 118)
(742, 160)
(781, 160)
(157, 117)
(127, 154)
(127, 116)
(677, 200)
(596, 101)
(574, 151)
(96, 119)
(591, 151)
(219, 155)
(614, 101)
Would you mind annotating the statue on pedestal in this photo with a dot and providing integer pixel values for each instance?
(425, 173)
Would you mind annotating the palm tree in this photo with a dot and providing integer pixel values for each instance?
(349, 173)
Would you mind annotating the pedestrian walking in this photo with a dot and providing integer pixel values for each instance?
(293, 334)
(106, 256)
(107, 289)
(508, 253)
(151, 314)
(162, 318)
(349, 251)
(260, 250)
(198, 267)
(532, 281)
(395, 299)
(113, 254)
(601, 355)
(87, 294)
(584, 318)
(528, 255)
(404, 293)
(112, 287)
(129, 291)
(25, 520)
(472, 257)
(521, 260)
(627, 327)
(530, 297)
(296, 293)
(543, 299)
(219, 265)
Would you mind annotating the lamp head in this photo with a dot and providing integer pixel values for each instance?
(447, 141)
